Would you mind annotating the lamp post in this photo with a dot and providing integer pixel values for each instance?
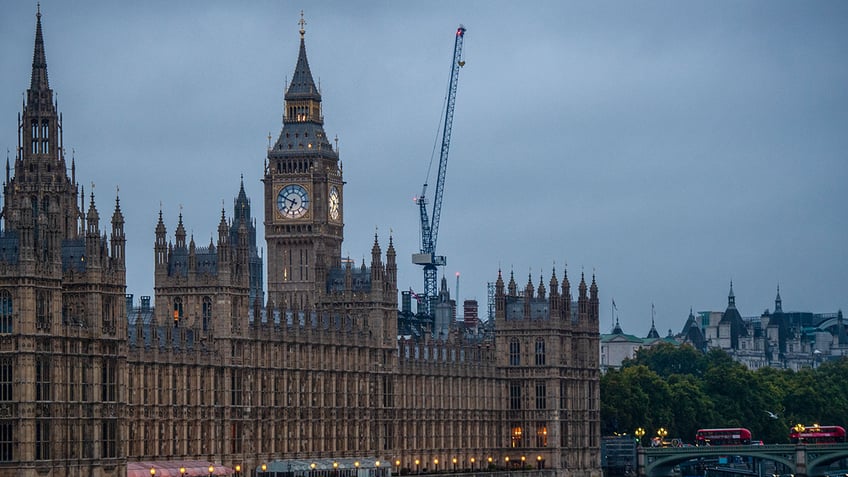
(397, 464)
(182, 471)
(211, 470)
(436, 464)
(152, 472)
(662, 432)
(454, 463)
(639, 432)
(264, 468)
(238, 470)
(539, 462)
(489, 460)
(472, 463)
(417, 466)
(523, 459)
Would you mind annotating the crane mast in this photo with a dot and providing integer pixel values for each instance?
(430, 225)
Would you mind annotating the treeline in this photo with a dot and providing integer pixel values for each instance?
(683, 390)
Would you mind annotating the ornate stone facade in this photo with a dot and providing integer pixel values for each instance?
(91, 382)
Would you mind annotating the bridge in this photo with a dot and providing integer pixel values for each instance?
(807, 460)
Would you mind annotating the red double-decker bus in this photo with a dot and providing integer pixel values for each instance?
(731, 436)
(817, 434)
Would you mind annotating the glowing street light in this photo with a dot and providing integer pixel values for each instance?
(639, 433)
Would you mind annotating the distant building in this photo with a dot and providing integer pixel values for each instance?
(618, 345)
(778, 339)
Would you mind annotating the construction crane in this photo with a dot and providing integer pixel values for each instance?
(430, 225)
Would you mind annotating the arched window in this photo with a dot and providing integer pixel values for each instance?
(514, 352)
(42, 309)
(540, 352)
(207, 313)
(178, 311)
(6, 310)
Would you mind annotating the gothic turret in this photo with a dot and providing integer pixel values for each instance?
(118, 239)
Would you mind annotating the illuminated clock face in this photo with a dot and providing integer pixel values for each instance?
(293, 201)
(334, 203)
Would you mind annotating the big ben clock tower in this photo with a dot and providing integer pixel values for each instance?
(303, 197)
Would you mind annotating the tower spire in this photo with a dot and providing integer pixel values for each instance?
(302, 86)
(39, 59)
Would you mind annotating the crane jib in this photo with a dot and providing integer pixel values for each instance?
(430, 225)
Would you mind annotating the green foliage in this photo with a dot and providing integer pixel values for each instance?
(683, 390)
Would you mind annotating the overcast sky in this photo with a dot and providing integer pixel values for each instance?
(667, 147)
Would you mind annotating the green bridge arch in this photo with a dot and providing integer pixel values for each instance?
(805, 460)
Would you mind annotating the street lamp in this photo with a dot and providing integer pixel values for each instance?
(211, 470)
(662, 432)
(264, 468)
(539, 462)
(182, 471)
(523, 459)
(639, 433)
(454, 463)
(417, 464)
(397, 464)
(472, 463)
(238, 470)
(376, 463)
(436, 464)
(152, 472)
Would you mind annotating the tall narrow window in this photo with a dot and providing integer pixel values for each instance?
(541, 434)
(6, 378)
(541, 395)
(109, 387)
(109, 438)
(178, 310)
(515, 396)
(236, 388)
(42, 309)
(84, 380)
(540, 352)
(6, 310)
(236, 433)
(42, 378)
(7, 440)
(207, 313)
(514, 352)
(45, 135)
(42, 439)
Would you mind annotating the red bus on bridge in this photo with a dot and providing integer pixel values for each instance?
(731, 436)
(817, 434)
